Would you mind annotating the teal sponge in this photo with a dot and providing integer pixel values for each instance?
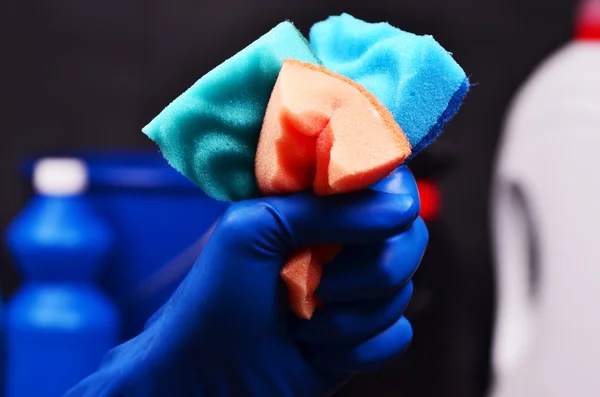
(413, 76)
(210, 132)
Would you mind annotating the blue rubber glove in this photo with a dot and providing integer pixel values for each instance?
(228, 331)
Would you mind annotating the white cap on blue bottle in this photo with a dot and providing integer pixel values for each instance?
(60, 177)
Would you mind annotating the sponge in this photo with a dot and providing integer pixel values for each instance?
(210, 132)
(282, 117)
(302, 274)
(324, 132)
(413, 76)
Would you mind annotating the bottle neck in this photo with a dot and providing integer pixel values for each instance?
(59, 238)
(587, 26)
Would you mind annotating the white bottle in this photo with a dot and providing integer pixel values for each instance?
(546, 221)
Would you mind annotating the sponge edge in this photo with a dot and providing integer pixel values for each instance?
(453, 107)
(413, 76)
(210, 132)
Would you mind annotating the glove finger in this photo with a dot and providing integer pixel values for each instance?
(365, 357)
(345, 323)
(376, 270)
(297, 220)
(357, 218)
(401, 181)
(291, 222)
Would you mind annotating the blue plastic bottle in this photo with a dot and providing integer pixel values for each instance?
(59, 324)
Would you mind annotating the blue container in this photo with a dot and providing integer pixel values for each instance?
(58, 324)
(158, 218)
(57, 335)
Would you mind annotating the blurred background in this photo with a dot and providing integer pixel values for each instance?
(86, 76)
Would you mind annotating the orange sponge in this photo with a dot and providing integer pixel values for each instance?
(302, 273)
(324, 132)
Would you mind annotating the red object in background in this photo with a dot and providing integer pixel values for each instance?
(587, 24)
(431, 200)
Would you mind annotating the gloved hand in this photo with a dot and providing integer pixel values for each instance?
(227, 330)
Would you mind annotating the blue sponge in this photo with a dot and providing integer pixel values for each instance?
(413, 76)
(210, 132)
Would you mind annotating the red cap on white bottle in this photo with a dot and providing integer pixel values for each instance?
(587, 25)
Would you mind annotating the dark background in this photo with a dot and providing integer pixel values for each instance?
(89, 74)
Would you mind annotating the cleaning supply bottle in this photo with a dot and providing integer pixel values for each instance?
(546, 222)
(59, 324)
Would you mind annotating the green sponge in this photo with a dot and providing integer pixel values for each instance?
(210, 132)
